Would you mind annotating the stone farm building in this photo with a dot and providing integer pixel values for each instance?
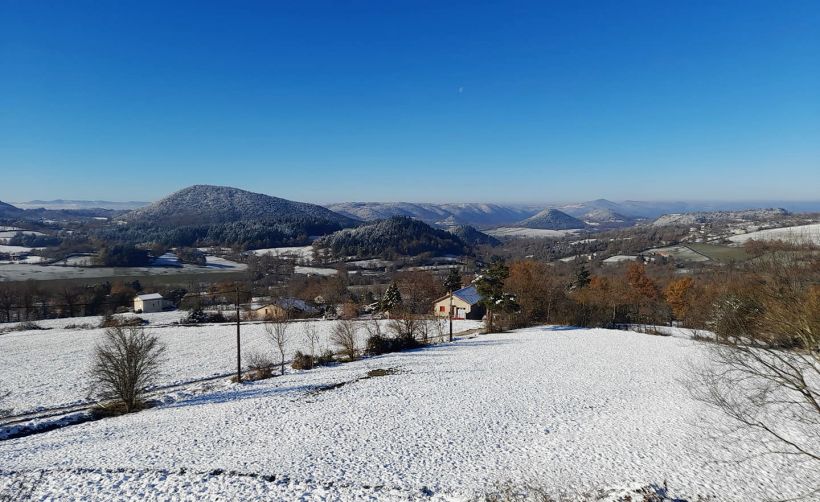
(466, 304)
(284, 308)
(149, 303)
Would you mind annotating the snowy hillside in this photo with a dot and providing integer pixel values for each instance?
(552, 219)
(207, 204)
(51, 365)
(800, 234)
(570, 410)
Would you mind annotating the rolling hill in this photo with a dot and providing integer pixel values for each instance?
(208, 204)
(551, 219)
(390, 238)
(472, 236)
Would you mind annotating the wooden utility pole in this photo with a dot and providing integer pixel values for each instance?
(451, 316)
(238, 342)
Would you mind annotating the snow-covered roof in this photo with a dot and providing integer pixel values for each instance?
(469, 294)
(287, 304)
(152, 296)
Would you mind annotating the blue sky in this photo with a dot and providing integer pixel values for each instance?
(418, 101)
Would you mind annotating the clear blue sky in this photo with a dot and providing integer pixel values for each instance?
(419, 101)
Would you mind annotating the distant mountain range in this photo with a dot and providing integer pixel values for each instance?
(596, 213)
(80, 204)
(439, 214)
(753, 215)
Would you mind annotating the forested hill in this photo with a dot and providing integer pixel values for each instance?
(473, 237)
(205, 215)
(391, 238)
(208, 205)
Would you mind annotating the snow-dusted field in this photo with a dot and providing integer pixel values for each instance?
(528, 232)
(570, 410)
(799, 234)
(299, 252)
(48, 368)
(22, 271)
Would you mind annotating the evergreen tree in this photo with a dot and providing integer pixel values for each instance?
(490, 285)
(582, 278)
(453, 280)
(391, 298)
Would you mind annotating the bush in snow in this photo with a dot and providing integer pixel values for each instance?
(325, 359)
(110, 321)
(302, 361)
(259, 366)
(125, 364)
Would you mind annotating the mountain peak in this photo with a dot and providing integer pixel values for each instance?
(552, 219)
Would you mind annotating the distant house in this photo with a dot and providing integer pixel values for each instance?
(283, 308)
(149, 303)
(466, 304)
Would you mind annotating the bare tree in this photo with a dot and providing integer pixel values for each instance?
(345, 336)
(311, 334)
(277, 331)
(373, 328)
(764, 370)
(125, 364)
(405, 325)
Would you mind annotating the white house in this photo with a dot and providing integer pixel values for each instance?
(466, 304)
(148, 303)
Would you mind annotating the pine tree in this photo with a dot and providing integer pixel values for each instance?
(582, 279)
(490, 285)
(391, 298)
(453, 280)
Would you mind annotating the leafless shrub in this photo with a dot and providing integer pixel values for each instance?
(764, 372)
(345, 335)
(373, 328)
(125, 364)
(405, 326)
(311, 334)
(260, 366)
(277, 332)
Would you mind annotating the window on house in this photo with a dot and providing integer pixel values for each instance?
(442, 309)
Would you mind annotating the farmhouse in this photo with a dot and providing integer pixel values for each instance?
(284, 308)
(466, 304)
(149, 303)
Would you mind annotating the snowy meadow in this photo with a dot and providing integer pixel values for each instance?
(580, 412)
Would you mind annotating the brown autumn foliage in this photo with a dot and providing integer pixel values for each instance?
(678, 294)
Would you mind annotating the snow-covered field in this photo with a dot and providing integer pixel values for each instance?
(23, 271)
(798, 234)
(570, 410)
(528, 232)
(48, 368)
(298, 252)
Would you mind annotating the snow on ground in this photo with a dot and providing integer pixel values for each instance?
(298, 252)
(48, 368)
(571, 410)
(22, 271)
(528, 232)
(798, 234)
(620, 258)
(16, 249)
(300, 269)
